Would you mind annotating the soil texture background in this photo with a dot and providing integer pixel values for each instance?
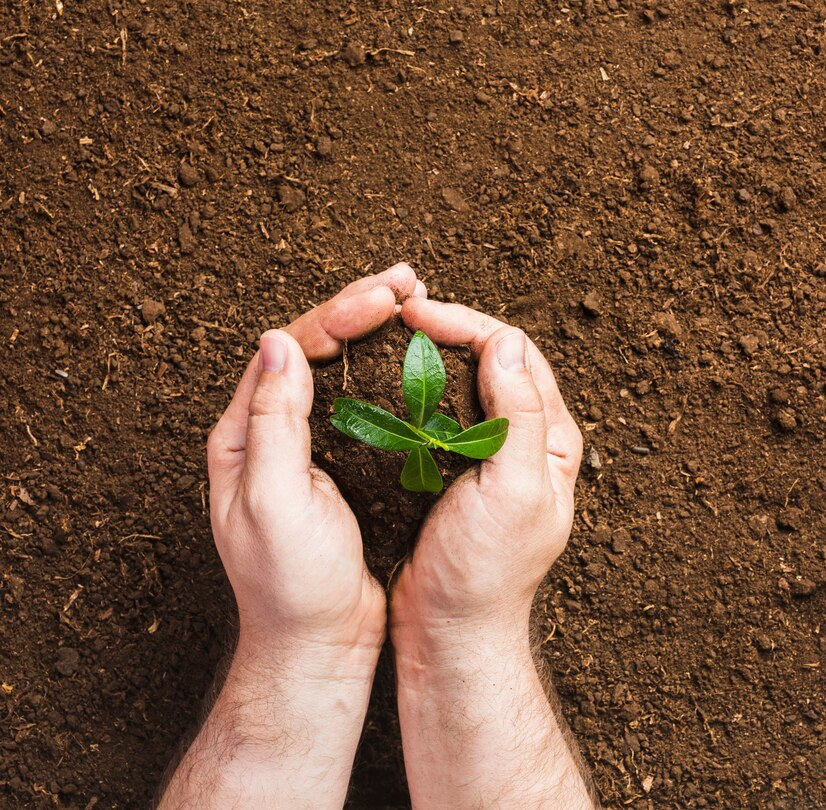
(639, 184)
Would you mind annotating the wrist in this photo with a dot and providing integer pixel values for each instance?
(287, 658)
(430, 652)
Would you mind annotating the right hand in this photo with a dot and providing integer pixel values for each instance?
(490, 540)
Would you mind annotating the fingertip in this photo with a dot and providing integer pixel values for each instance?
(360, 314)
(512, 350)
(273, 351)
(400, 278)
(506, 384)
(420, 291)
(413, 308)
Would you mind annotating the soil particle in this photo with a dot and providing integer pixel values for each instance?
(324, 146)
(456, 37)
(592, 304)
(48, 128)
(151, 310)
(667, 323)
(186, 239)
(801, 586)
(454, 200)
(787, 199)
(620, 541)
(593, 459)
(749, 344)
(188, 175)
(780, 396)
(763, 642)
(68, 661)
(291, 198)
(786, 420)
(649, 177)
(354, 55)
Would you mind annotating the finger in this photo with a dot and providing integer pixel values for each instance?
(277, 461)
(323, 330)
(360, 308)
(456, 325)
(401, 278)
(507, 390)
(419, 292)
(349, 317)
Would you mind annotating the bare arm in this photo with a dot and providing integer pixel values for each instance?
(477, 727)
(281, 734)
(284, 729)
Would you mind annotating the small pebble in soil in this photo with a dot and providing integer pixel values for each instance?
(786, 420)
(594, 461)
(454, 200)
(749, 344)
(648, 176)
(324, 146)
(787, 199)
(763, 642)
(802, 586)
(291, 198)
(592, 304)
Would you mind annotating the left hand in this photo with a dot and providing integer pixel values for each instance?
(290, 544)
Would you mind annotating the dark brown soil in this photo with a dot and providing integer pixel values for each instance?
(639, 184)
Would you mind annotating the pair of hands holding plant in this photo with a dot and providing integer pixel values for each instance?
(313, 619)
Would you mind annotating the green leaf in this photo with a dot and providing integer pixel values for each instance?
(373, 425)
(441, 427)
(420, 473)
(480, 441)
(423, 378)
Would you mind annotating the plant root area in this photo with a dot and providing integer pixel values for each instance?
(639, 184)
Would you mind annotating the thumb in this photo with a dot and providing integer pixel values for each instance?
(277, 467)
(507, 389)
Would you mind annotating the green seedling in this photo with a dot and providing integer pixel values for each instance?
(423, 383)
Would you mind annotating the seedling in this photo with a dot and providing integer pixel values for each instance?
(423, 383)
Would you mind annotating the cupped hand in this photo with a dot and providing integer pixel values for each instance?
(290, 544)
(490, 540)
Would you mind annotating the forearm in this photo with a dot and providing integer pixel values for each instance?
(282, 733)
(477, 727)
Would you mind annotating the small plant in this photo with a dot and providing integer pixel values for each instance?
(423, 383)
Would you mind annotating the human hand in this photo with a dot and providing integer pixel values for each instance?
(290, 544)
(487, 544)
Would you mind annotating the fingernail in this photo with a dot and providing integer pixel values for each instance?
(273, 353)
(511, 351)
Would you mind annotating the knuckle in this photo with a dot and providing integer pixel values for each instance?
(265, 401)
